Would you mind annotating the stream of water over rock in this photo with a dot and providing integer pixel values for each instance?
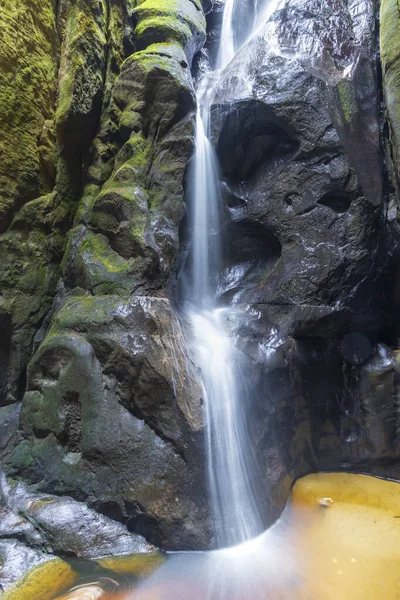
(232, 465)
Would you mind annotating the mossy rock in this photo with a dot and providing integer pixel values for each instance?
(390, 57)
(28, 67)
(82, 70)
(170, 21)
(44, 582)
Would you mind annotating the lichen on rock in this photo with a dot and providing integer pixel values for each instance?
(28, 70)
(390, 58)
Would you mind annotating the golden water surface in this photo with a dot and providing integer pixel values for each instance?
(339, 539)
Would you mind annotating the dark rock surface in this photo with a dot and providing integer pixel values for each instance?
(298, 131)
(35, 526)
(108, 413)
(111, 417)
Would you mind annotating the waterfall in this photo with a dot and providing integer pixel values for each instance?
(206, 201)
(226, 50)
(232, 466)
(232, 469)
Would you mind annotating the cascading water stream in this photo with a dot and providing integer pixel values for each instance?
(227, 49)
(232, 466)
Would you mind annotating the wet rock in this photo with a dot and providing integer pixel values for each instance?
(389, 31)
(9, 423)
(290, 169)
(63, 526)
(16, 560)
(108, 418)
(34, 527)
(207, 5)
(112, 416)
(356, 348)
(111, 412)
(126, 238)
(367, 437)
(52, 98)
(296, 127)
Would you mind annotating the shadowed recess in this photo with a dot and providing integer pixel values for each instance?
(337, 201)
(251, 137)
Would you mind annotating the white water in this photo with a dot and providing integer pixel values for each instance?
(232, 466)
(227, 51)
(261, 569)
(205, 242)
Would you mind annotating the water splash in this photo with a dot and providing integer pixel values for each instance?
(260, 569)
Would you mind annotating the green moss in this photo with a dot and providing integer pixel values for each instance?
(51, 579)
(98, 248)
(390, 57)
(118, 250)
(168, 57)
(169, 20)
(81, 77)
(42, 412)
(347, 99)
(97, 266)
(141, 156)
(28, 67)
(164, 29)
(85, 310)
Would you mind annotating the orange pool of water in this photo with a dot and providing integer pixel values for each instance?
(348, 529)
(338, 539)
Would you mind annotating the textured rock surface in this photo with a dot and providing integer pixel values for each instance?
(297, 131)
(34, 526)
(110, 417)
(107, 412)
(28, 66)
(390, 56)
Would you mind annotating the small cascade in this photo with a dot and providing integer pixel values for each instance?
(227, 50)
(232, 465)
(206, 201)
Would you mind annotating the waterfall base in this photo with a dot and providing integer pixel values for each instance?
(339, 538)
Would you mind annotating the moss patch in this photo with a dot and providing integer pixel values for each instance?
(390, 56)
(28, 71)
(43, 583)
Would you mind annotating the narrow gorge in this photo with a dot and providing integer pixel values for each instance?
(199, 278)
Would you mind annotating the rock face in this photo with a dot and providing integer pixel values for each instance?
(33, 526)
(390, 27)
(297, 129)
(100, 405)
(110, 417)
(91, 198)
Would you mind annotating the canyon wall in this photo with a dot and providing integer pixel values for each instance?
(100, 403)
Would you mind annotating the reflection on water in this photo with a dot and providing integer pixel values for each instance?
(90, 592)
(338, 539)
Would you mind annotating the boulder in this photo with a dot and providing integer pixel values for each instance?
(112, 416)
